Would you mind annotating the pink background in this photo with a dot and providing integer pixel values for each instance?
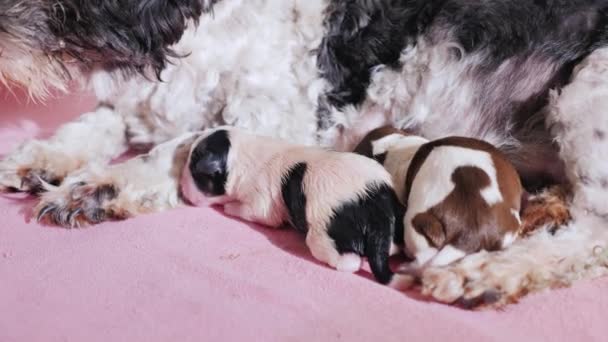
(193, 275)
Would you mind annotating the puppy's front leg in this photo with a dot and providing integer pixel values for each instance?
(97, 136)
(240, 210)
(250, 213)
(147, 183)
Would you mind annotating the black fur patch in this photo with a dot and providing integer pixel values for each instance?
(547, 32)
(380, 158)
(362, 34)
(292, 190)
(208, 163)
(366, 226)
(555, 34)
(562, 30)
(129, 35)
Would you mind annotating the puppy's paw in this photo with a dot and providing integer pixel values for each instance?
(80, 204)
(23, 179)
(235, 209)
(32, 166)
(349, 262)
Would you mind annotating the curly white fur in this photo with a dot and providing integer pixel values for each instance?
(259, 74)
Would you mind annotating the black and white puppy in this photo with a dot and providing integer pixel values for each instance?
(344, 202)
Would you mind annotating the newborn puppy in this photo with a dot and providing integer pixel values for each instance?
(344, 202)
(461, 194)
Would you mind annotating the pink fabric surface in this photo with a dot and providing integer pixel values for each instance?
(194, 275)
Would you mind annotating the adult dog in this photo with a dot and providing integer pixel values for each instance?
(529, 76)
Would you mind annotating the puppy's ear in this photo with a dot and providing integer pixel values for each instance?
(430, 227)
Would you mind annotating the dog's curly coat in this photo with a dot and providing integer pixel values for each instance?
(528, 76)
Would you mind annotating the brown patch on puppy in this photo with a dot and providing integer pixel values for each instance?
(464, 217)
(548, 208)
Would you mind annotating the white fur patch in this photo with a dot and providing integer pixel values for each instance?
(423, 254)
(515, 214)
(401, 151)
(248, 64)
(396, 142)
(578, 118)
(492, 193)
(322, 247)
(395, 249)
(349, 262)
(508, 239)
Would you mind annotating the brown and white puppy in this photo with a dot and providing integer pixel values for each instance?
(461, 194)
(343, 202)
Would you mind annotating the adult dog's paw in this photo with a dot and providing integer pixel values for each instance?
(23, 179)
(32, 166)
(80, 204)
(548, 208)
(473, 283)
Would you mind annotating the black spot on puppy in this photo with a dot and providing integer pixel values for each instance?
(366, 226)
(208, 163)
(292, 190)
(361, 34)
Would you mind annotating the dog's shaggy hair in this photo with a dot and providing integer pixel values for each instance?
(530, 77)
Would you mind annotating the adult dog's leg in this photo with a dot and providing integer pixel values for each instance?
(96, 136)
(96, 193)
(578, 118)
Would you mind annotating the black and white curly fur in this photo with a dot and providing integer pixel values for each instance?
(62, 37)
(527, 76)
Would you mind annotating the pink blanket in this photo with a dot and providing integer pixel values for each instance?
(194, 275)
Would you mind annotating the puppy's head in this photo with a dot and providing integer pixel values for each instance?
(206, 172)
(46, 43)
